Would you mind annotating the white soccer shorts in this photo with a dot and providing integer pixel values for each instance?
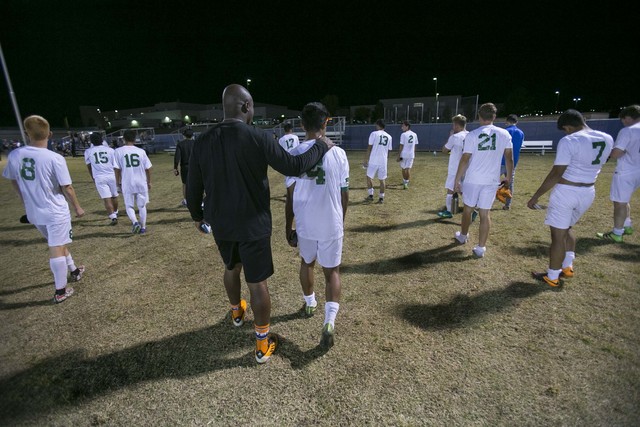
(406, 163)
(623, 186)
(380, 170)
(567, 203)
(107, 188)
(328, 252)
(481, 196)
(56, 234)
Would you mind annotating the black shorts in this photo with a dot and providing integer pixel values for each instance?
(184, 172)
(255, 257)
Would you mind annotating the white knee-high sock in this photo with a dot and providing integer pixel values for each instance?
(70, 264)
(569, 256)
(132, 215)
(59, 269)
(310, 300)
(330, 312)
(143, 216)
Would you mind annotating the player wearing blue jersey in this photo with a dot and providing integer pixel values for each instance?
(517, 138)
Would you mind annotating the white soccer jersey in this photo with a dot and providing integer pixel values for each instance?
(317, 198)
(289, 141)
(628, 140)
(408, 141)
(39, 173)
(455, 144)
(132, 162)
(101, 160)
(486, 145)
(380, 142)
(583, 153)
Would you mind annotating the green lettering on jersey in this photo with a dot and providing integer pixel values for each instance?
(28, 169)
(132, 160)
(487, 142)
(101, 157)
(601, 145)
(318, 173)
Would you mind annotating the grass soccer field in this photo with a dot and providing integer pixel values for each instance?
(426, 333)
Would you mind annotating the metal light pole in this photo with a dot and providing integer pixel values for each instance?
(248, 83)
(13, 96)
(576, 100)
(435, 79)
(557, 100)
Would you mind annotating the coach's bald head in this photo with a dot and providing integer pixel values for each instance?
(237, 103)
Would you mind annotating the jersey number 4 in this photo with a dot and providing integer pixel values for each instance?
(318, 173)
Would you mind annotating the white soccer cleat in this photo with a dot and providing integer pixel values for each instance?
(479, 251)
(461, 238)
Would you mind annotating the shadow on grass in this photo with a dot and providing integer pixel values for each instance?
(22, 242)
(171, 221)
(24, 289)
(71, 378)
(18, 305)
(373, 228)
(18, 227)
(408, 262)
(463, 310)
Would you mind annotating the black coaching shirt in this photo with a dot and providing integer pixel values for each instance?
(229, 163)
(183, 153)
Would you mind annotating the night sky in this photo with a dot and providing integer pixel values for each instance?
(123, 54)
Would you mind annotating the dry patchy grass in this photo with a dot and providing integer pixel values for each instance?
(426, 334)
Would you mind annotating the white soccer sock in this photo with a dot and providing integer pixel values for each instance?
(143, 216)
(618, 231)
(59, 269)
(70, 264)
(330, 312)
(382, 195)
(569, 256)
(310, 300)
(448, 202)
(553, 274)
(627, 221)
(132, 215)
(370, 191)
(113, 215)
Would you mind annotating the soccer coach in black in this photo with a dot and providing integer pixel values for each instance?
(229, 164)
